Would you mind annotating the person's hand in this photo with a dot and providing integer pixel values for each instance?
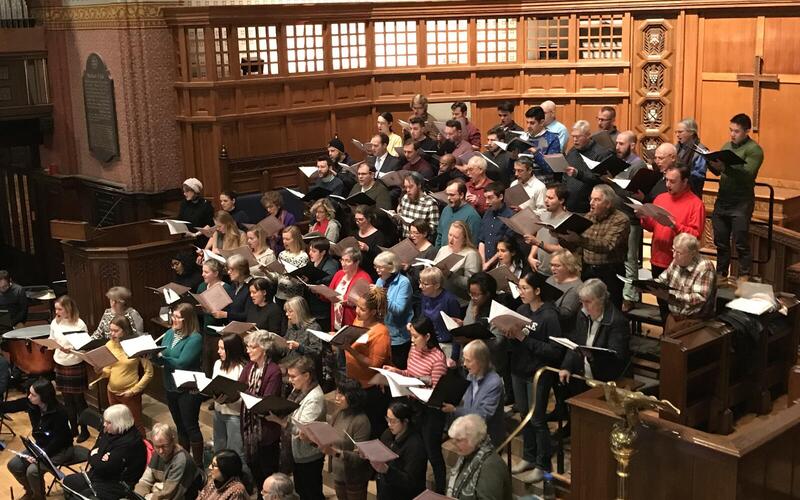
(570, 238)
(93, 452)
(487, 266)
(220, 314)
(659, 292)
(638, 195)
(30, 460)
(292, 344)
(532, 240)
(571, 171)
(380, 467)
(363, 246)
(459, 321)
(126, 394)
(471, 197)
(448, 408)
(404, 266)
(534, 263)
(222, 399)
(391, 369)
(64, 350)
(717, 165)
(563, 376)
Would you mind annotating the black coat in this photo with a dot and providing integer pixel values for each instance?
(614, 333)
(406, 476)
(237, 310)
(580, 186)
(198, 212)
(50, 429)
(118, 457)
(536, 350)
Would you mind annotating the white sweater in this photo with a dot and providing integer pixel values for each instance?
(57, 333)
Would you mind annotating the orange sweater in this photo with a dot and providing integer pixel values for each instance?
(379, 351)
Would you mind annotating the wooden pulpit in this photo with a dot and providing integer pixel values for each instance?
(133, 255)
(758, 461)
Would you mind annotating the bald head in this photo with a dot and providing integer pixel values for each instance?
(665, 156)
(549, 108)
(625, 144)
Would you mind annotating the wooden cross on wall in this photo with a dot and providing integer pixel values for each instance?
(756, 78)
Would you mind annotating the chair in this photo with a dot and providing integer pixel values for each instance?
(80, 455)
(3, 418)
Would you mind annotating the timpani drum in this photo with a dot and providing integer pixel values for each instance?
(31, 358)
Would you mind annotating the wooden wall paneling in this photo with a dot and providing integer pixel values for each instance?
(548, 81)
(201, 102)
(187, 143)
(351, 91)
(229, 133)
(485, 115)
(225, 99)
(728, 44)
(308, 131)
(263, 136)
(306, 93)
(781, 46)
(206, 150)
(264, 97)
(778, 109)
(497, 84)
(450, 86)
(396, 87)
(352, 124)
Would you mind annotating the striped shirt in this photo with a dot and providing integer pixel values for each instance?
(428, 363)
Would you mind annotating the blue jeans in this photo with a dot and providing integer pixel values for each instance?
(228, 433)
(536, 447)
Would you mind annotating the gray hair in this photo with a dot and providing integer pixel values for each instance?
(239, 263)
(471, 428)
(432, 275)
(608, 193)
(478, 162)
(281, 488)
(299, 306)
(119, 417)
(593, 289)
(690, 125)
(353, 253)
(583, 127)
(480, 351)
(388, 259)
(262, 339)
(166, 430)
(687, 241)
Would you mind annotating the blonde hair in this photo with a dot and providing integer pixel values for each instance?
(70, 307)
(232, 236)
(326, 205)
(119, 294)
(568, 260)
(299, 306)
(297, 239)
(432, 275)
(460, 224)
(388, 259)
(261, 237)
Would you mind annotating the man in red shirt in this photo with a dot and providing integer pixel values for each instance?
(476, 186)
(687, 215)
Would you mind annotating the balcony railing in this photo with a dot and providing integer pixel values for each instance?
(14, 14)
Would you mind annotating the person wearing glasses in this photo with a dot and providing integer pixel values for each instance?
(225, 478)
(171, 473)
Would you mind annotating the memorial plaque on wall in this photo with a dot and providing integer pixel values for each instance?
(101, 111)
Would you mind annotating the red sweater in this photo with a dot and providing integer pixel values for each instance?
(689, 214)
(349, 312)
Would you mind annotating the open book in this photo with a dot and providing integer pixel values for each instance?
(754, 298)
(174, 226)
(398, 384)
(237, 327)
(577, 347)
(140, 346)
(344, 336)
(268, 404)
(505, 319)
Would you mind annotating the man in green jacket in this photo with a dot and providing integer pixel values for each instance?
(736, 197)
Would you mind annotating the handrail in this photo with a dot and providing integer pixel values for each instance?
(527, 418)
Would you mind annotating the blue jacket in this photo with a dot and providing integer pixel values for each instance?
(487, 402)
(185, 355)
(398, 311)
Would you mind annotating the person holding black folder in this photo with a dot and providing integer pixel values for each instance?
(227, 427)
(327, 178)
(272, 201)
(367, 185)
(70, 370)
(531, 350)
(733, 208)
(239, 292)
(579, 177)
(184, 347)
(49, 428)
(263, 377)
(427, 362)
(319, 255)
(370, 239)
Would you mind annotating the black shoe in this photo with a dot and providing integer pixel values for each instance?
(83, 435)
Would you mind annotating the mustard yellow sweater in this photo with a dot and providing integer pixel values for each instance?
(124, 374)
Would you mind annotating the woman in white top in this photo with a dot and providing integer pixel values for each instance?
(227, 423)
(308, 459)
(294, 252)
(257, 241)
(70, 370)
(459, 241)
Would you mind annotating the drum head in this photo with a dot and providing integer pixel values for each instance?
(29, 332)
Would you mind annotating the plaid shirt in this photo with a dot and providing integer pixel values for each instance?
(692, 286)
(424, 208)
(606, 242)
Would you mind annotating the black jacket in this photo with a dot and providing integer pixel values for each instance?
(406, 476)
(580, 186)
(198, 212)
(536, 350)
(614, 333)
(237, 309)
(118, 457)
(268, 317)
(50, 429)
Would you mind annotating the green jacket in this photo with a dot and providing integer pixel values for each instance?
(738, 181)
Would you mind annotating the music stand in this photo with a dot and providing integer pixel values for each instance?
(45, 464)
